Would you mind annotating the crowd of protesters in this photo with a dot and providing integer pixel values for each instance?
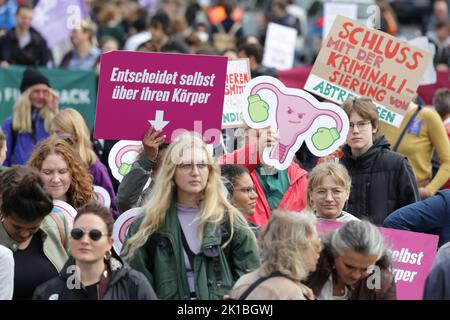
(210, 226)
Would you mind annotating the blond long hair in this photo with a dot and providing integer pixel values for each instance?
(70, 121)
(284, 240)
(214, 207)
(21, 118)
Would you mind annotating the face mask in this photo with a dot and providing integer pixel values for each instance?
(203, 36)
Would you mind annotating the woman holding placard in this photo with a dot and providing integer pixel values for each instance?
(190, 242)
(64, 174)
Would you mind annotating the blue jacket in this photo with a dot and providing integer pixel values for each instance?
(429, 216)
(8, 15)
(25, 142)
(437, 285)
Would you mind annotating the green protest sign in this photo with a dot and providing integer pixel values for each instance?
(76, 89)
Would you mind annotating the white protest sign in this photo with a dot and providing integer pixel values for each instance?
(279, 48)
(429, 76)
(332, 10)
(122, 156)
(297, 116)
(122, 225)
(238, 75)
(102, 196)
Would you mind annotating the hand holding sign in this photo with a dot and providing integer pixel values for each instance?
(152, 140)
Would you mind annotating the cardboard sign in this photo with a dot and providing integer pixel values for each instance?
(359, 61)
(412, 256)
(297, 116)
(170, 91)
(238, 75)
(279, 47)
(122, 225)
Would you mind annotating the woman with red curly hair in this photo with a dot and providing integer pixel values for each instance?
(64, 174)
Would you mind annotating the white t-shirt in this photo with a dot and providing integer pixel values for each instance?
(343, 217)
(6, 273)
(327, 292)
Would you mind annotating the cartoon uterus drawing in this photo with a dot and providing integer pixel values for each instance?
(294, 118)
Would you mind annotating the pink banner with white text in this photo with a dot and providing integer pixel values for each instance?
(172, 92)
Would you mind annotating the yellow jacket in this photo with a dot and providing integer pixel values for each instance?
(425, 134)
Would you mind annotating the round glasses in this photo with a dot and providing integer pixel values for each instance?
(361, 125)
(249, 190)
(335, 193)
(94, 234)
(189, 167)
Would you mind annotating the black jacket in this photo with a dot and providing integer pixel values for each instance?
(35, 53)
(382, 181)
(124, 284)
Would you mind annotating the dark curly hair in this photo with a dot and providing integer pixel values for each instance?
(23, 194)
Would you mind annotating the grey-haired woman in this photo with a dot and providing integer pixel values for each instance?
(354, 265)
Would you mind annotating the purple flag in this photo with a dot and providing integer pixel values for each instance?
(55, 19)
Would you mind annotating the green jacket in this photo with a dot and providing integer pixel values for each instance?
(216, 269)
(54, 248)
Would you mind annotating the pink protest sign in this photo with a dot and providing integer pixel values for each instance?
(412, 256)
(170, 91)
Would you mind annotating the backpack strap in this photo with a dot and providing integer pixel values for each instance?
(258, 282)
(397, 144)
(60, 228)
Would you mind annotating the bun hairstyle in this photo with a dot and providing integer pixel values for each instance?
(23, 194)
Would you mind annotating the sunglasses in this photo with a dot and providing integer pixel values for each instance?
(78, 233)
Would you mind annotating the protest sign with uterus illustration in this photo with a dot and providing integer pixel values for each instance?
(297, 117)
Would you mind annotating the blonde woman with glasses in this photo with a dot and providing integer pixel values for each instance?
(190, 242)
(328, 190)
(382, 180)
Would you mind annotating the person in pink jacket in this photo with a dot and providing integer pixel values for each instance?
(276, 189)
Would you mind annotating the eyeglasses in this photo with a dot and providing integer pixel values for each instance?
(361, 125)
(335, 193)
(189, 167)
(249, 190)
(78, 233)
